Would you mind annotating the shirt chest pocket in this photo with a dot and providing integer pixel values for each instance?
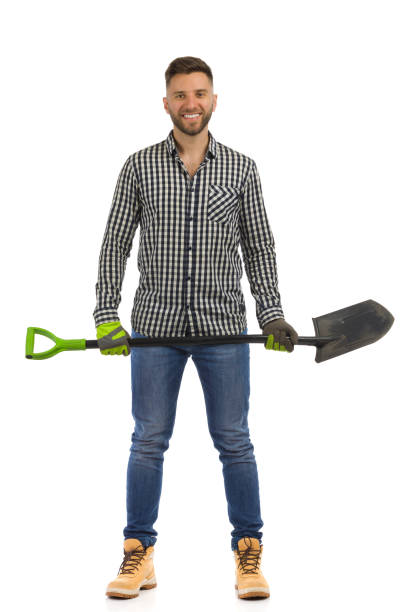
(223, 203)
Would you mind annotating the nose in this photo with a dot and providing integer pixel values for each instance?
(190, 103)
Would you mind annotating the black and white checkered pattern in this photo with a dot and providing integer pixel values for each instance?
(190, 231)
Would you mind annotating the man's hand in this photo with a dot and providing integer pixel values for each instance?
(282, 336)
(113, 339)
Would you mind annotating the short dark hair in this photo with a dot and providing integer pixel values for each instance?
(186, 65)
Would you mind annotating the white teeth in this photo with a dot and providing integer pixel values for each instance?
(196, 115)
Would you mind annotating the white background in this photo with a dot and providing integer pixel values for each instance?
(316, 93)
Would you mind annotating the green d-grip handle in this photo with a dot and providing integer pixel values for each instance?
(60, 344)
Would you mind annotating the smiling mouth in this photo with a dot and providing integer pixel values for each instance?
(191, 116)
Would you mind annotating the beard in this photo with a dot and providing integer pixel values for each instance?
(193, 129)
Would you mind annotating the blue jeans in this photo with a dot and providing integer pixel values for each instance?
(156, 377)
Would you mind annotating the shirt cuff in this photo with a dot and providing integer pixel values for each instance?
(105, 316)
(275, 312)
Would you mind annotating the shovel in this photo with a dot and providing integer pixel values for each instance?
(337, 333)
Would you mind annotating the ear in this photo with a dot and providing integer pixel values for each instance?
(165, 104)
(215, 97)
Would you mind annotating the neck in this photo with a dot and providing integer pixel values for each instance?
(193, 146)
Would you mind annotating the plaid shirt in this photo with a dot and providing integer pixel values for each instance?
(190, 231)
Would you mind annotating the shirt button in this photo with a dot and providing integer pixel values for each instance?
(191, 218)
(190, 247)
(188, 277)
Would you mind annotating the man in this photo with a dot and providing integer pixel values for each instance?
(196, 200)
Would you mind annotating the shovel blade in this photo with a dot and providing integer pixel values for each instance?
(352, 328)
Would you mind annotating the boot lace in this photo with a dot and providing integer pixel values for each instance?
(131, 561)
(249, 560)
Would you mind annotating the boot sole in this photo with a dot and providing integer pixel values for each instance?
(252, 593)
(131, 593)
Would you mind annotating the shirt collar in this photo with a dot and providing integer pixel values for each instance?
(172, 149)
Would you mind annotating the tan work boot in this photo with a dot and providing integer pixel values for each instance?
(249, 578)
(136, 571)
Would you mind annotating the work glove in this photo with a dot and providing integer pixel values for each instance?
(282, 336)
(113, 339)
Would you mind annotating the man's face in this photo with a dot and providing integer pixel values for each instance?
(190, 94)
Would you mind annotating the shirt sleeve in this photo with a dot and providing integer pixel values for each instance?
(123, 220)
(258, 250)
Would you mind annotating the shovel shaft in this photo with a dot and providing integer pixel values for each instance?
(232, 339)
